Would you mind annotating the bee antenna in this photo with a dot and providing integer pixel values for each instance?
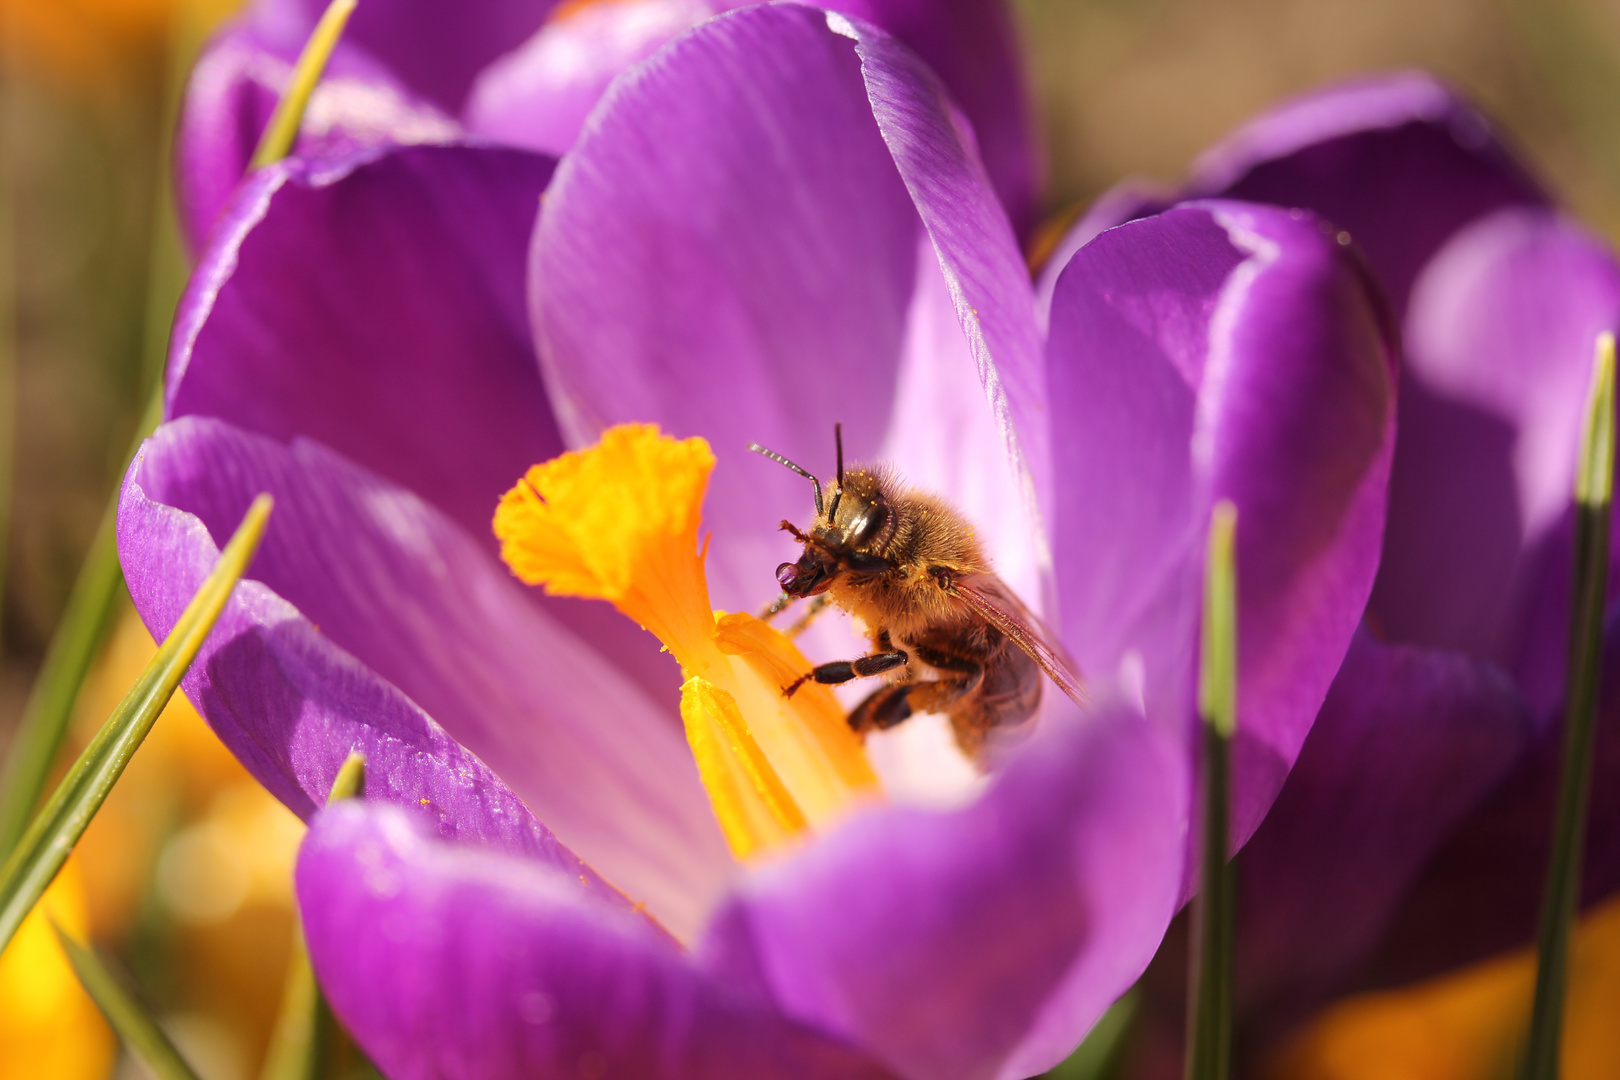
(780, 460)
(838, 441)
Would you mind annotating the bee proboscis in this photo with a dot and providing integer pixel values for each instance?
(949, 634)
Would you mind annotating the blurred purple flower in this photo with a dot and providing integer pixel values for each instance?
(526, 73)
(1412, 835)
(775, 222)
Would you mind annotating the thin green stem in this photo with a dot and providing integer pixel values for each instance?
(121, 1006)
(52, 834)
(1209, 1014)
(303, 1032)
(278, 138)
(1594, 495)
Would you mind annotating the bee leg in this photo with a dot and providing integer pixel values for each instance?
(841, 671)
(817, 606)
(776, 607)
(882, 710)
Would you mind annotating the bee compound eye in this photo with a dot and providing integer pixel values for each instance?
(786, 575)
(869, 524)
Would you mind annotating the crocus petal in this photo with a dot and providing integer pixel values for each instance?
(452, 964)
(1408, 742)
(539, 95)
(1500, 342)
(982, 942)
(1219, 350)
(1128, 200)
(979, 257)
(1481, 892)
(233, 91)
(943, 438)
(972, 45)
(395, 585)
(1400, 161)
(436, 49)
(291, 706)
(377, 307)
(730, 250)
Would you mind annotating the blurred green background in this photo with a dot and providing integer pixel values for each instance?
(89, 270)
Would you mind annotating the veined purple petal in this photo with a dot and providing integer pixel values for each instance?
(292, 706)
(978, 254)
(539, 95)
(435, 48)
(453, 964)
(982, 942)
(233, 91)
(404, 591)
(972, 45)
(1219, 350)
(377, 307)
(731, 251)
(1127, 200)
(1407, 744)
(1500, 339)
(1400, 161)
(942, 437)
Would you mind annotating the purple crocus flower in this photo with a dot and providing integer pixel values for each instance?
(1412, 835)
(526, 73)
(776, 222)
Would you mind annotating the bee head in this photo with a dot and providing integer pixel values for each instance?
(858, 521)
(849, 533)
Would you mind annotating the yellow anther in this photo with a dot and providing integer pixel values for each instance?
(618, 521)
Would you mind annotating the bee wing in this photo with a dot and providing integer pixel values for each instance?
(990, 598)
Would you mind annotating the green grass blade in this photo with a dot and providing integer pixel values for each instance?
(57, 828)
(123, 1010)
(1209, 1014)
(306, 1032)
(1594, 495)
(278, 138)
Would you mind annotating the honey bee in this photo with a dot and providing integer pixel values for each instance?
(949, 634)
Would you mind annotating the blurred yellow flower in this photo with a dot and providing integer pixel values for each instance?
(48, 1025)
